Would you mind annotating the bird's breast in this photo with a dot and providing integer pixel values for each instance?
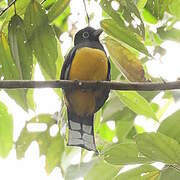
(88, 64)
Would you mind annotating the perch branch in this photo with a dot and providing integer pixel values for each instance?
(147, 86)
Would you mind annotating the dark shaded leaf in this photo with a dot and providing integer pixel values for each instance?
(9, 72)
(124, 154)
(6, 131)
(20, 48)
(159, 147)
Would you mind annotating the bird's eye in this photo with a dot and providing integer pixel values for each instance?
(85, 34)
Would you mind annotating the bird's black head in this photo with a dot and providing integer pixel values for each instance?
(87, 34)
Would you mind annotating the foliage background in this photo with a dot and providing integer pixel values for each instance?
(133, 128)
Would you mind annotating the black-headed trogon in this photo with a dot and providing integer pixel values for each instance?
(87, 61)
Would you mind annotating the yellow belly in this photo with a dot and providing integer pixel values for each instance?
(88, 64)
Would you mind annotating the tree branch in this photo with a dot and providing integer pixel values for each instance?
(5, 9)
(147, 86)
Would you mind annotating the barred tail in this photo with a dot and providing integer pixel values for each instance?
(81, 132)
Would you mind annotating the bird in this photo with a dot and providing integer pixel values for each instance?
(86, 61)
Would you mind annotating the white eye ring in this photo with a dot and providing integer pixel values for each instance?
(85, 34)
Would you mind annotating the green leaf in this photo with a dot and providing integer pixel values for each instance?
(80, 170)
(6, 131)
(112, 107)
(95, 169)
(123, 35)
(159, 147)
(126, 12)
(42, 38)
(30, 99)
(9, 72)
(148, 17)
(141, 4)
(136, 103)
(20, 48)
(106, 133)
(57, 9)
(169, 173)
(157, 7)
(124, 123)
(54, 153)
(139, 173)
(174, 8)
(102, 171)
(172, 34)
(171, 126)
(124, 154)
(34, 18)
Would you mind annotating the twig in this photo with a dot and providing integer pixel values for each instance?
(147, 86)
(5, 9)
(43, 1)
(87, 15)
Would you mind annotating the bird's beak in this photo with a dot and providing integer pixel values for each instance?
(97, 33)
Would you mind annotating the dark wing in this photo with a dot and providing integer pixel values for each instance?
(103, 94)
(67, 64)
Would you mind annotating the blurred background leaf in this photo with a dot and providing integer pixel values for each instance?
(6, 131)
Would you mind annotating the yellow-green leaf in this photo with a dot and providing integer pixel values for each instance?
(125, 61)
(6, 131)
(136, 103)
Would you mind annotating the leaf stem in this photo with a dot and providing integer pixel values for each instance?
(87, 15)
(5, 9)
